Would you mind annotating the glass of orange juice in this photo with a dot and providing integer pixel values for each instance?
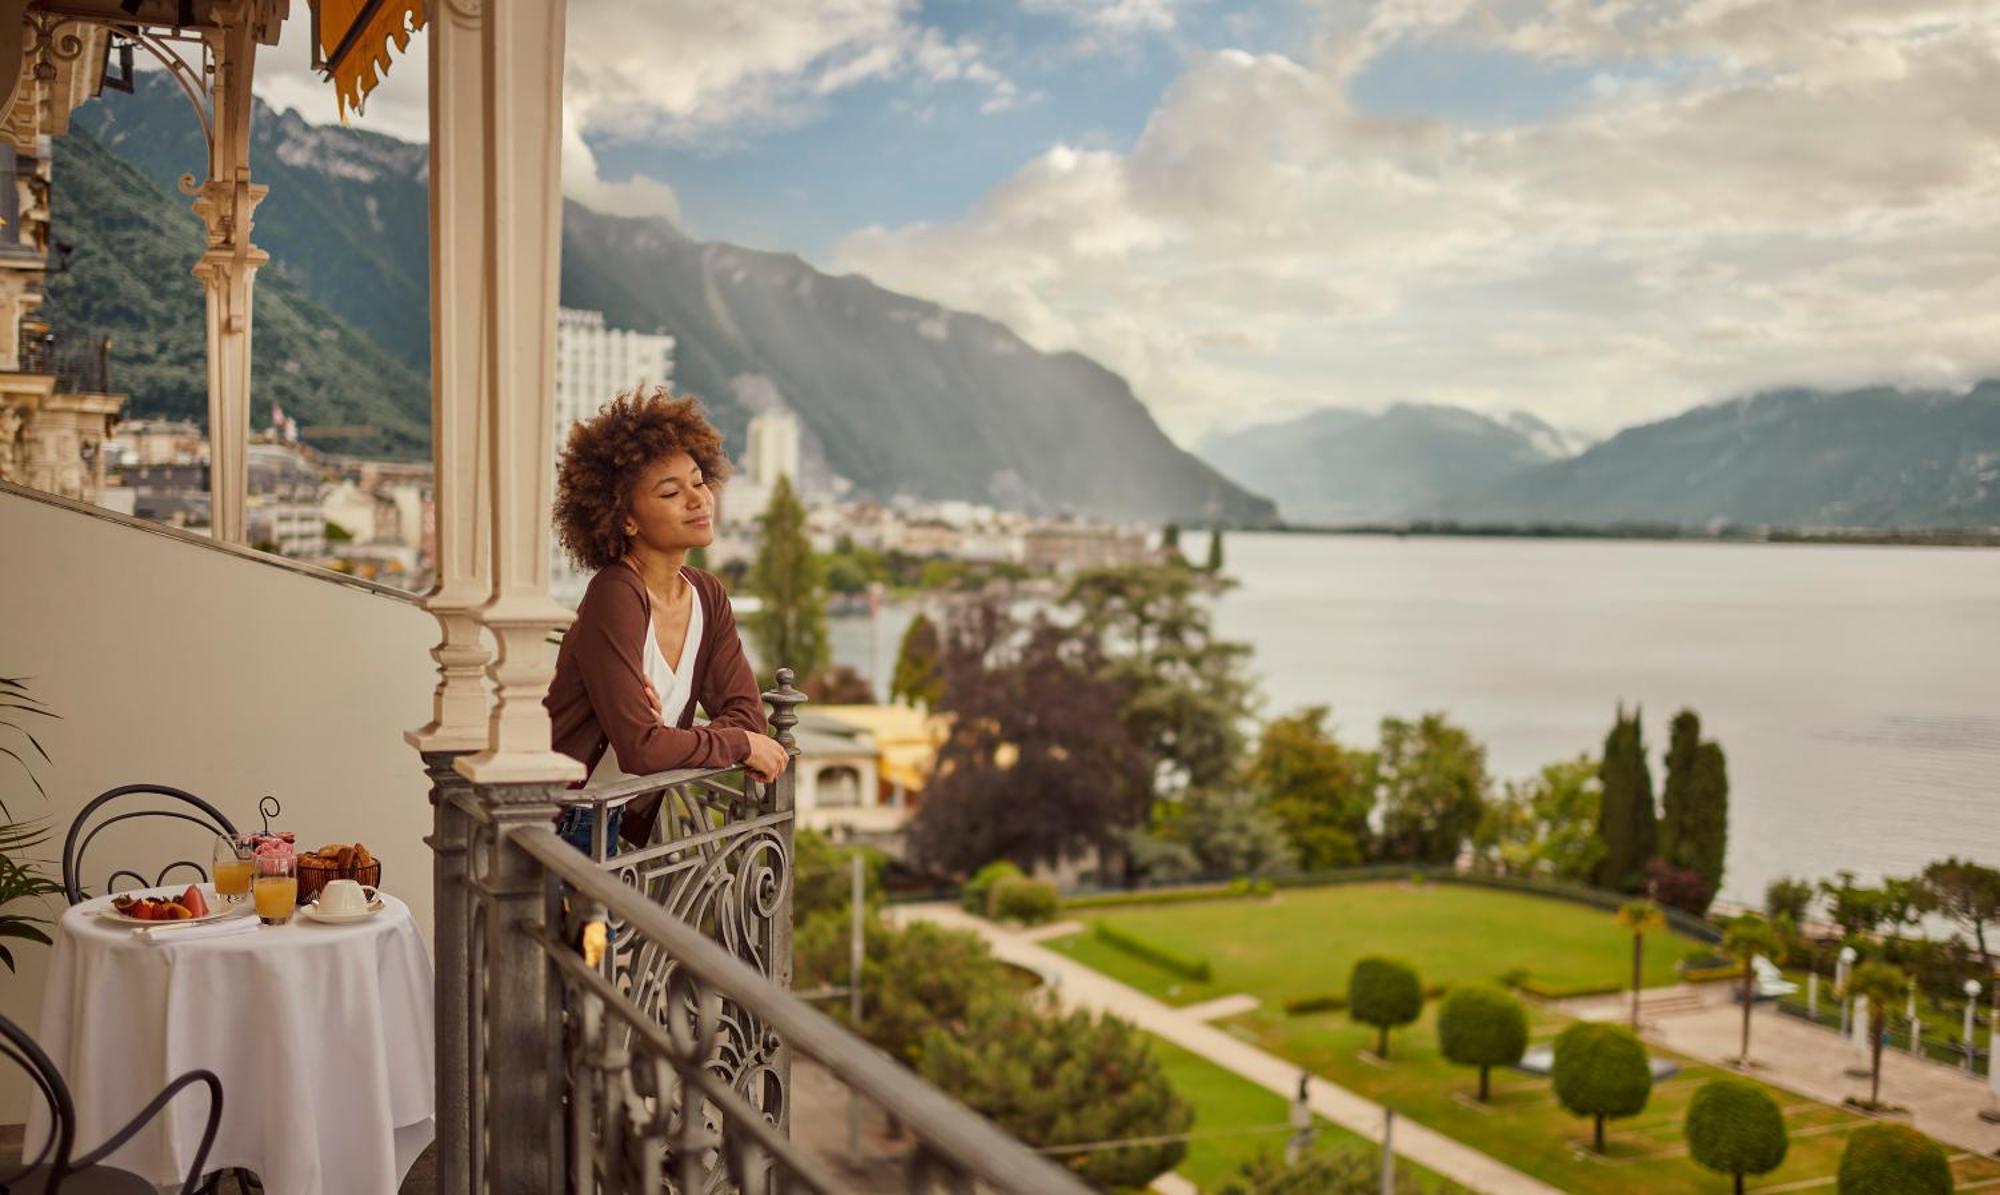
(276, 887)
(233, 865)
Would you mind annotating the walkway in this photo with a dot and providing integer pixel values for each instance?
(1079, 986)
(1812, 1060)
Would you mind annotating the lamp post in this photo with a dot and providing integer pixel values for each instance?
(1971, 1004)
(1844, 961)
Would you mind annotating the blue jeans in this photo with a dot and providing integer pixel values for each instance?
(576, 823)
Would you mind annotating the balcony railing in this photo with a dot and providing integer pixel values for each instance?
(621, 1023)
(80, 361)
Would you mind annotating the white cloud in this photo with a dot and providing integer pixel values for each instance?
(1115, 18)
(674, 71)
(1802, 191)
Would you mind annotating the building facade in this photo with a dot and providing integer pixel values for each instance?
(595, 364)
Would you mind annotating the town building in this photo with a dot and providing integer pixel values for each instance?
(1068, 547)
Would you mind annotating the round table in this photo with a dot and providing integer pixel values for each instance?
(321, 1034)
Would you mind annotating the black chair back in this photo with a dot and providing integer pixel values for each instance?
(55, 1162)
(127, 803)
(22, 1051)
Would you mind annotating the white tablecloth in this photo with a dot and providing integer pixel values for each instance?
(321, 1034)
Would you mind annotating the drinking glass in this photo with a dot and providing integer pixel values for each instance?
(232, 865)
(276, 888)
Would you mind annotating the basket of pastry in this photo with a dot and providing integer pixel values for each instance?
(336, 861)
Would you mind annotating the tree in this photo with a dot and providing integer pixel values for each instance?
(1969, 895)
(1214, 564)
(1745, 939)
(1639, 917)
(1882, 985)
(1170, 542)
(1430, 779)
(914, 980)
(789, 630)
(1734, 1127)
(1694, 810)
(1892, 1159)
(1601, 1072)
(1787, 897)
(1546, 826)
(1683, 744)
(822, 879)
(916, 679)
(1385, 993)
(1038, 767)
(1625, 817)
(1704, 838)
(1149, 630)
(1064, 1079)
(1859, 910)
(1314, 787)
(1227, 832)
(1482, 1026)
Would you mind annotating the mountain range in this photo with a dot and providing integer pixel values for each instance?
(1872, 457)
(896, 394)
(1336, 465)
(900, 395)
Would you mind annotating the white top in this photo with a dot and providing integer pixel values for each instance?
(673, 682)
(322, 1035)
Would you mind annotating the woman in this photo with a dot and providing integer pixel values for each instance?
(635, 490)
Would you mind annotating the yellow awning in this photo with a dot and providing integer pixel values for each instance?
(354, 37)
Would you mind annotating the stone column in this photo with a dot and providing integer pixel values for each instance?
(461, 553)
(463, 526)
(228, 267)
(522, 47)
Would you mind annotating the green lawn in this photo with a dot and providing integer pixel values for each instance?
(1234, 1121)
(1303, 941)
(1526, 1128)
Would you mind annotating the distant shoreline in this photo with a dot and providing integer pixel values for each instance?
(1940, 538)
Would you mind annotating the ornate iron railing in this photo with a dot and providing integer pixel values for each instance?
(619, 1022)
(80, 361)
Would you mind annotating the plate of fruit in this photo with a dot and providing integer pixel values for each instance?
(195, 904)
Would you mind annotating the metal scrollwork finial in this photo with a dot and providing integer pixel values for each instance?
(269, 808)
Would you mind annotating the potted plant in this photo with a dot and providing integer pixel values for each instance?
(21, 874)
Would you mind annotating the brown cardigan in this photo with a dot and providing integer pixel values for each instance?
(598, 697)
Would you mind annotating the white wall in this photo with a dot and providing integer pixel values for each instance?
(218, 672)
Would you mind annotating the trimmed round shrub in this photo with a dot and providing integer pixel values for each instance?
(1893, 1159)
(1030, 902)
(977, 895)
(1484, 1027)
(1734, 1127)
(1601, 1072)
(1385, 993)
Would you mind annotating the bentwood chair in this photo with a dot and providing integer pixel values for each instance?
(128, 803)
(54, 1170)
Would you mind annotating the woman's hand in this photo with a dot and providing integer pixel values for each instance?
(767, 759)
(653, 699)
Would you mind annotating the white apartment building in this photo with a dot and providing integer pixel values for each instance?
(771, 452)
(595, 364)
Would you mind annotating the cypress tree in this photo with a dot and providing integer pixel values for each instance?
(1626, 820)
(790, 630)
(1215, 550)
(918, 679)
(1683, 741)
(1704, 840)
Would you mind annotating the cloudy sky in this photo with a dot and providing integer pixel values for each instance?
(1601, 211)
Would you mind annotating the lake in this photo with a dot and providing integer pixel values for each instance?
(1855, 690)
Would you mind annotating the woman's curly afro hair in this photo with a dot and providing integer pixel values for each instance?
(605, 454)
